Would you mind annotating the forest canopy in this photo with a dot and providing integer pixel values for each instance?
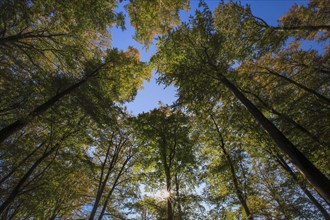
(247, 138)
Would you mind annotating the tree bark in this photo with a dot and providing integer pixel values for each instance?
(167, 167)
(14, 193)
(21, 163)
(178, 199)
(113, 188)
(169, 188)
(100, 190)
(286, 118)
(317, 179)
(233, 174)
(303, 28)
(274, 73)
(30, 35)
(21, 123)
(103, 183)
(275, 195)
(303, 187)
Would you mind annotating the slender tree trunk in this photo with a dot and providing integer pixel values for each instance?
(13, 214)
(178, 199)
(311, 91)
(22, 181)
(30, 35)
(98, 197)
(236, 185)
(21, 163)
(169, 188)
(113, 188)
(167, 170)
(286, 118)
(233, 174)
(103, 183)
(317, 179)
(53, 217)
(303, 187)
(100, 192)
(21, 123)
(56, 210)
(274, 194)
(303, 28)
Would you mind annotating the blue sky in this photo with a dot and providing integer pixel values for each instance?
(149, 97)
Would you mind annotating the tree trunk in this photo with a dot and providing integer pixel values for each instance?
(178, 199)
(233, 174)
(167, 170)
(13, 214)
(21, 123)
(303, 28)
(237, 189)
(169, 202)
(317, 179)
(100, 190)
(312, 199)
(30, 35)
(274, 194)
(103, 183)
(21, 163)
(286, 118)
(19, 185)
(113, 188)
(306, 89)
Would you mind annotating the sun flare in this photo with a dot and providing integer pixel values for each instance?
(162, 194)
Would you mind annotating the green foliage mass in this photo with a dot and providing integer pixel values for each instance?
(69, 149)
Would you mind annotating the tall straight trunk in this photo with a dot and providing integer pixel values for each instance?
(21, 123)
(21, 163)
(167, 169)
(233, 174)
(31, 35)
(14, 193)
(101, 190)
(169, 209)
(274, 73)
(317, 179)
(169, 188)
(303, 187)
(303, 28)
(13, 214)
(103, 183)
(286, 118)
(178, 199)
(275, 195)
(113, 188)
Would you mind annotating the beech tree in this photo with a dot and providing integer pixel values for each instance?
(196, 55)
(113, 153)
(169, 149)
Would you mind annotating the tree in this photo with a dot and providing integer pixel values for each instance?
(151, 18)
(308, 22)
(115, 152)
(233, 171)
(169, 149)
(31, 173)
(116, 65)
(196, 55)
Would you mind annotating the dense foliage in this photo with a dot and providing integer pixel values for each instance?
(247, 138)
